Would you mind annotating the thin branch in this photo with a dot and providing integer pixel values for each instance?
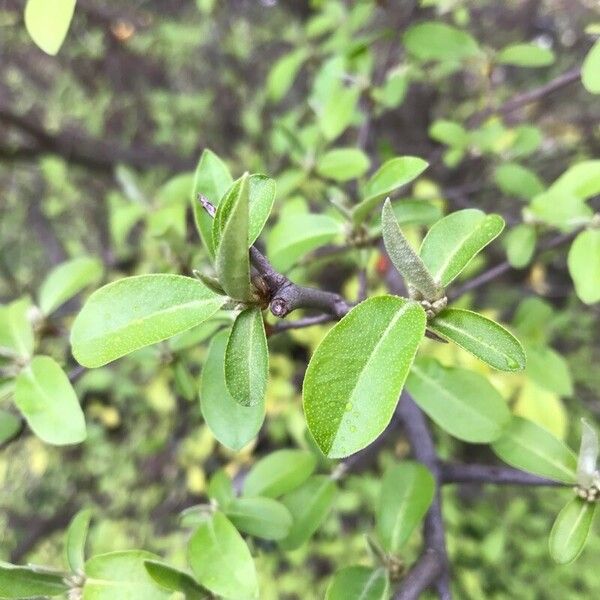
(433, 565)
(525, 98)
(282, 326)
(490, 474)
(503, 267)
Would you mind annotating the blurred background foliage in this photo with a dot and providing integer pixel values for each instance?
(97, 153)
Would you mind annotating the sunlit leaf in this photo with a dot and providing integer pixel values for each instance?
(529, 447)
(359, 582)
(461, 402)
(482, 337)
(407, 491)
(433, 40)
(284, 72)
(25, 582)
(48, 22)
(525, 55)
(75, 539)
(570, 530)
(342, 164)
(455, 240)
(584, 265)
(588, 455)
(16, 332)
(590, 70)
(516, 180)
(351, 389)
(134, 312)
(309, 505)
(520, 244)
(231, 423)
(174, 580)
(247, 359)
(261, 517)
(220, 559)
(279, 472)
(45, 397)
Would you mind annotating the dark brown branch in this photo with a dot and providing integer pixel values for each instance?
(525, 98)
(433, 566)
(490, 474)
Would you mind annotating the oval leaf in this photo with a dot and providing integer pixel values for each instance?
(525, 55)
(131, 313)
(67, 280)
(174, 580)
(520, 245)
(482, 337)
(529, 447)
(25, 582)
(584, 265)
(343, 164)
(393, 174)
(279, 473)
(212, 179)
(16, 332)
(247, 359)
(406, 493)
(261, 517)
(455, 240)
(48, 22)
(75, 540)
(432, 40)
(308, 505)
(220, 559)
(283, 72)
(231, 423)
(47, 400)
(261, 195)
(351, 389)
(461, 402)
(10, 425)
(121, 576)
(359, 582)
(590, 70)
(570, 530)
(233, 263)
(404, 258)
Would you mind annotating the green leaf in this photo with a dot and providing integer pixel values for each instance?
(233, 263)
(393, 174)
(404, 258)
(562, 210)
(16, 332)
(67, 280)
(359, 582)
(283, 73)
(134, 312)
(220, 559)
(75, 539)
(10, 425)
(588, 455)
(520, 244)
(516, 180)
(590, 70)
(48, 22)
(220, 488)
(431, 40)
(581, 180)
(338, 111)
(482, 337)
(410, 211)
(548, 369)
(261, 517)
(121, 576)
(231, 423)
(45, 397)
(212, 180)
(525, 55)
(351, 389)
(174, 580)
(449, 133)
(279, 472)
(584, 265)
(308, 505)
(407, 491)
(453, 242)
(261, 196)
(247, 359)
(461, 402)
(343, 164)
(529, 447)
(570, 530)
(25, 582)
(294, 237)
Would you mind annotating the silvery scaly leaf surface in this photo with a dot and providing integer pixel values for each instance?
(588, 456)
